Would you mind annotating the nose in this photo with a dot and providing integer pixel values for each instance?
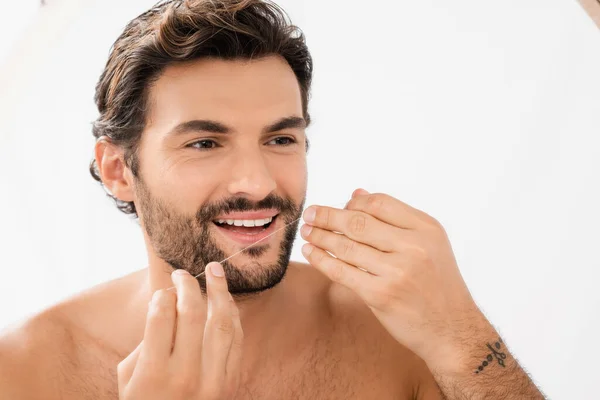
(250, 176)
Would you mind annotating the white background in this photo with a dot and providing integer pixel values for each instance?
(483, 114)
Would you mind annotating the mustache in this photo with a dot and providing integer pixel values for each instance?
(211, 211)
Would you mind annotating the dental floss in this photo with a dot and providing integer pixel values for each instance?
(238, 252)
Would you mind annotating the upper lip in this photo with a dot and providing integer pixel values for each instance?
(262, 214)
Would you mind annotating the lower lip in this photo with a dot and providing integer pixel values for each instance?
(246, 239)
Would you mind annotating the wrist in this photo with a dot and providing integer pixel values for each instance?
(471, 348)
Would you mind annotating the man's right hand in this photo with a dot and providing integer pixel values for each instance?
(180, 357)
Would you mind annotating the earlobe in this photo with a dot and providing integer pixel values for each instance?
(113, 171)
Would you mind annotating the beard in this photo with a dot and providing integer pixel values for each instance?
(186, 242)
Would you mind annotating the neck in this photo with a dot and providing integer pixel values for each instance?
(278, 309)
(256, 310)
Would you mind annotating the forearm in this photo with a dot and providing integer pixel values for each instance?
(481, 367)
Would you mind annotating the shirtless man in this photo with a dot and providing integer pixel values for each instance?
(203, 110)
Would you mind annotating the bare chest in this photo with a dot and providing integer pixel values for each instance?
(321, 371)
(322, 374)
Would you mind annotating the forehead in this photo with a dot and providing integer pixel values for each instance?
(232, 91)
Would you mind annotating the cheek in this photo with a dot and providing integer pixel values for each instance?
(188, 184)
(291, 176)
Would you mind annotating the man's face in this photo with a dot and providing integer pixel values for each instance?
(242, 162)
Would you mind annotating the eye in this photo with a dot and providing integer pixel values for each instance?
(282, 141)
(205, 144)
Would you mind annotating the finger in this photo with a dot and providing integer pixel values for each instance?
(191, 317)
(357, 225)
(339, 271)
(388, 209)
(234, 360)
(359, 192)
(346, 249)
(126, 367)
(160, 327)
(219, 330)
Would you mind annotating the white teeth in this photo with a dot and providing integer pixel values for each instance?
(245, 222)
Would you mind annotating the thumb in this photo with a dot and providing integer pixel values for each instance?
(215, 270)
(216, 284)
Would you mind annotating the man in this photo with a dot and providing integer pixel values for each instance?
(201, 134)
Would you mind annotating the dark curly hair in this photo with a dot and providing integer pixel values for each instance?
(178, 31)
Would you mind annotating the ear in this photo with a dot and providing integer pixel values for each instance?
(115, 175)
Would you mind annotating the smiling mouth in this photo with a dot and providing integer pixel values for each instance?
(247, 226)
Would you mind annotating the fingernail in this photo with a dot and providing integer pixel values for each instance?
(307, 249)
(180, 271)
(310, 214)
(305, 230)
(217, 270)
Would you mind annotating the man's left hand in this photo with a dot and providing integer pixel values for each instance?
(400, 262)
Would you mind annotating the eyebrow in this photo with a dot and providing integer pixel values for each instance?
(203, 125)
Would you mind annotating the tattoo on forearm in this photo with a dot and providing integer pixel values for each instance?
(508, 381)
(495, 353)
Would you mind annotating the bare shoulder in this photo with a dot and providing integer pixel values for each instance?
(398, 362)
(33, 355)
(47, 355)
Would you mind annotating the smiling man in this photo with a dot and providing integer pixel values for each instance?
(203, 107)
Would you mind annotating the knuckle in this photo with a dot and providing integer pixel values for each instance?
(324, 215)
(380, 299)
(238, 341)
(357, 224)
(318, 256)
(386, 295)
(347, 247)
(432, 222)
(374, 203)
(337, 271)
(436, 223)
(223, 325)
(163, 296)
(418, 253)
(161, 310)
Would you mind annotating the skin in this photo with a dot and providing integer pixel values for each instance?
(399, 261)
(373, 322)
(306, 328)
(592, 7)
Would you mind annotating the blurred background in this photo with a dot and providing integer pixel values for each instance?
(482, 114)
